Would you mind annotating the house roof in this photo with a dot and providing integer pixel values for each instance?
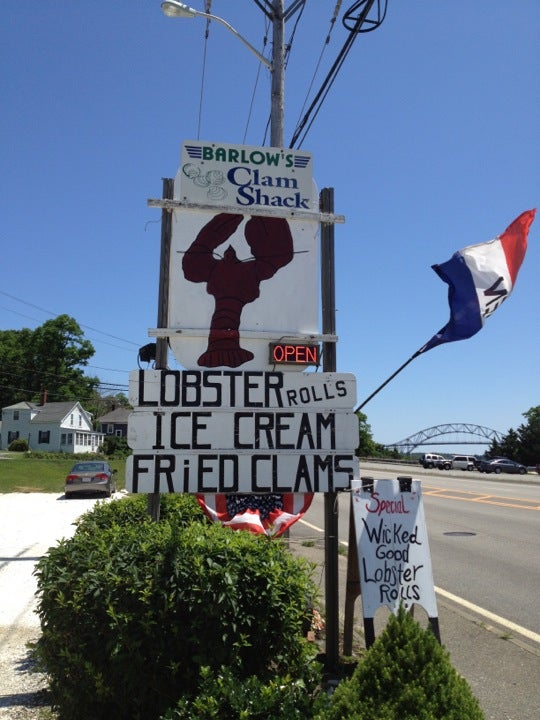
(119, 415)
(23, 405)
(55, 411)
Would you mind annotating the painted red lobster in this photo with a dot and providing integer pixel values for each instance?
(232, 282)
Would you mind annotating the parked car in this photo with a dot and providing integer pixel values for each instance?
(92, 476)
(463, 462)
(501, 465)
(430, 460)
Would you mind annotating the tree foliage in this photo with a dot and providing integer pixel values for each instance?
(99, 405)
(523, 444)
(406, 675)
(367, 447)
(51, 358)
(366, 444)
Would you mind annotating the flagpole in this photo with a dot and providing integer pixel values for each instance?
(416, 354)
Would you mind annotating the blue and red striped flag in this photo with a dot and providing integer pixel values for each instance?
(480, 277)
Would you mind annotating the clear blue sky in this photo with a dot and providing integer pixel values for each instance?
(429, 136)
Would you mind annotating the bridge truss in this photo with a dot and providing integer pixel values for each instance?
(461, 434)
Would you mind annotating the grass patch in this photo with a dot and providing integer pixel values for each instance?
(26, 474)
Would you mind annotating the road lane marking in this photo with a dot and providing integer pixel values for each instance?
(471, 496)
(508, 624)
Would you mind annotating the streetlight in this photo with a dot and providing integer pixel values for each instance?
(176, 9)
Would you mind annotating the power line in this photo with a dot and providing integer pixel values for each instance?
(49, 312)
(354, 30)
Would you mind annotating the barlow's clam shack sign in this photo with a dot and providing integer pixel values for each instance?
(229, 175)
(244, 261)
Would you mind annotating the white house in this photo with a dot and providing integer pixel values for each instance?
(52, 427)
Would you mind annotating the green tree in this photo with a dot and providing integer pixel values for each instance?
(523, 444)
(51, 358)
(366, 445)
(100, 405)
(406, 675)
(529, 437)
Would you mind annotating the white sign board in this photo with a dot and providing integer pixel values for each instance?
(234, 389)
(244, 176)
(393, 550)
(241, 432)
(238, 281)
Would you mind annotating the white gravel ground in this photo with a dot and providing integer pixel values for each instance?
(30, 523)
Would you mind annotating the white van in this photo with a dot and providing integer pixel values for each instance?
(463, 462)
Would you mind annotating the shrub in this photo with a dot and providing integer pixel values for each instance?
(406, 675)
(114, 446)
(18, 445)
(131, 612)
(222, 695)
(133, 510)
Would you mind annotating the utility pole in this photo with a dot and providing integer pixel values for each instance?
(153, 501)
(277, 103)
(277, 113)
(328, 310)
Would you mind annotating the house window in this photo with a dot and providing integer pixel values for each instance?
(119, 433)
(110, 429)
(71, 419)
(44, 437)
(12, 435)
(15, 414)
(80, 420)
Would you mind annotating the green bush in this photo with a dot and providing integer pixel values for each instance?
(406, 675)
(133, 510)
(114, 446)
(18, 445)
(132, 611)
(223, 696)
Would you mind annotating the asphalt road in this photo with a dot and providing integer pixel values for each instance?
(484, 542)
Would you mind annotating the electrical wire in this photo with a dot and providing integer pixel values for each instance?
(354, 31)
(55, 315)
(323, 50)
(208, 7)
(257, 77)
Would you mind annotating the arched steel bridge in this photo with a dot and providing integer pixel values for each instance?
(462, 434)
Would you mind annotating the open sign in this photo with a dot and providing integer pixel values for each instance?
(294, 354)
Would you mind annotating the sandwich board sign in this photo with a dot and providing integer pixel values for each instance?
(244, 260)
(393, 549)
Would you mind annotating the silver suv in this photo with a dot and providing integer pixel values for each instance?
(430, 460)
(463, 462)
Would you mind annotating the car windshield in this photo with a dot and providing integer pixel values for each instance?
(88, 467)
